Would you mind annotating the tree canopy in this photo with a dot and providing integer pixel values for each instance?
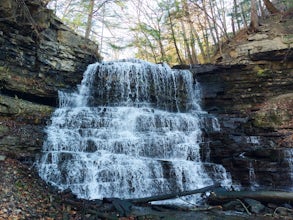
(172, 31)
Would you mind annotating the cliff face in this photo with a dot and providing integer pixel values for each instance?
(250, 91)
(269, 46)
(256, 118)
(39, 56)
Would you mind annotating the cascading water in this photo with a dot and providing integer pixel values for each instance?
(288, 157)
(252, 177)
(132, 130)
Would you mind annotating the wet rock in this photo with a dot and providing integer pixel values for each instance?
(282, 211)
(254, 206)
(2, 157)
(3, 130)
(253, 107)
(233, 205)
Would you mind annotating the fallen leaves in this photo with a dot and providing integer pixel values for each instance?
(23, 195)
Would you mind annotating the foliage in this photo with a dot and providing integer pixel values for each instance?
(173, 31)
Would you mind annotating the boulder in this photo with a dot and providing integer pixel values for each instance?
(254, 206)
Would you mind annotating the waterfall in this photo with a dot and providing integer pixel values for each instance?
(288, 157)
(252, 177)
(132, 129)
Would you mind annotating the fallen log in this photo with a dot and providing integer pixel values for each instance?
(219, 197)
(174, 195)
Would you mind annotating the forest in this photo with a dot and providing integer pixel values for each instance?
(172, 31)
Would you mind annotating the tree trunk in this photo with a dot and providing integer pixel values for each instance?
(221, 17)
(193, 53)
(235, 14)
(216, 30)
(174, 38)
(190, 60)
(174, 195)
(206, 42)
(270, 7)
(263, 196)
(89, 19)
(212, 27)
(193, 30)
(261, 8)
(243, 16)
(254, 23)
(233, 25)
(66, 10)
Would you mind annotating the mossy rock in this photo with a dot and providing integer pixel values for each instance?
(276, 113)
(3, 130)
(17, 107)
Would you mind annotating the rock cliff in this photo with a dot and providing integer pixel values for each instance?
(255, 114)
(250, 90)
(39, 56)
(271, 45)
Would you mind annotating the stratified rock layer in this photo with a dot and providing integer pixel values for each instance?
(250, 90)
(271, 43)
(39, 56)
(254, 107)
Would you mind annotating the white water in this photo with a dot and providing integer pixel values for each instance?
(139, 137)
(288, 156)
(252, 177)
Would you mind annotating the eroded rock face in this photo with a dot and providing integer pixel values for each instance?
(39, 56)
(21, 127)
(271, 43)
(254, 107)
(253, 103)
(276, 112)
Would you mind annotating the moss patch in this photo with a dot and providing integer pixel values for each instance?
(262, 71)
(21, 108)
(276, 113)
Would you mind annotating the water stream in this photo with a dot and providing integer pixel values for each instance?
(132, 129)
(252, 177)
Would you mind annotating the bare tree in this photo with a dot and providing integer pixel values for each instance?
(89, 19)
(270, 7)
(193, 30)
(254, 22)
(174, 39)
